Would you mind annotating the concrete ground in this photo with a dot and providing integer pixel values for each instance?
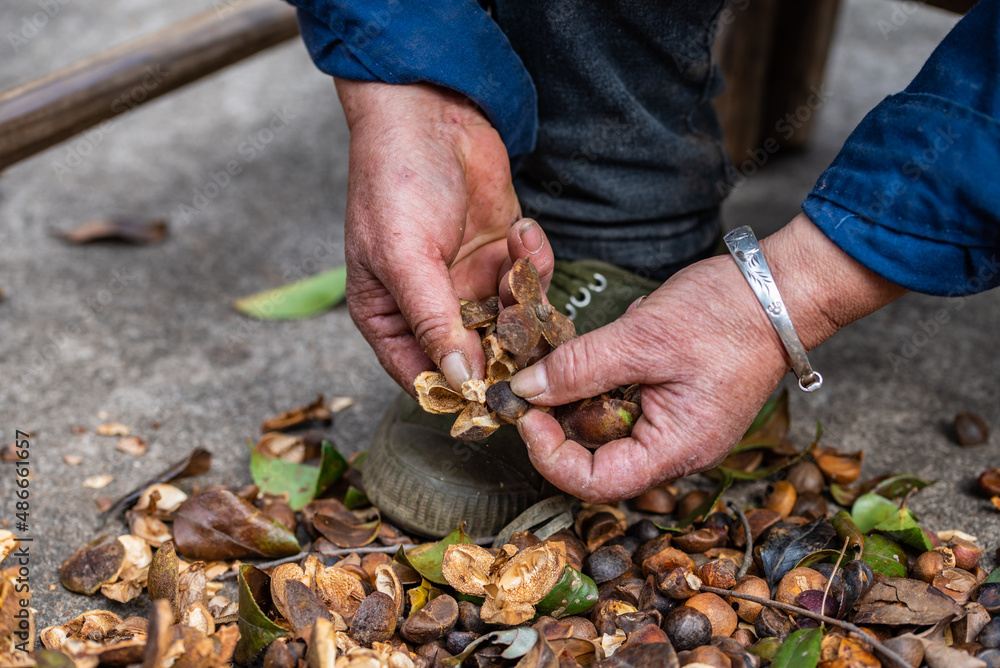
(147, 334)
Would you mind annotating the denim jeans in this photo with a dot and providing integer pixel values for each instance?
(629, 157)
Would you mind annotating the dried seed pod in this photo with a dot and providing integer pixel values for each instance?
(988, 596)
(752, 586)
(597, 524)
(718, 573)
(433, 621)
(466, 567)
(679, 583)
(806, 477)
(624, 588)
(955, 583)
(657, 501)
(605, 615)
(781, 497)
(665, 561)
(970, 429)
(387, 582)
(474, 423)
(339, 590)
(576, 551)
(280, 576)
(810, 505)
(481, 313)
(630, 622)
(989, 482)
(687, 628)
(435, 395)
(760, 520)
(699, 540)
(744, 637)
(651, 598)
(967, 553)
(947, 556)
(469, 618)
(771, 623)
(518, 330)
(282, 653)
(375, 620)
(842, 468)
(968, 628)
(707, 655)
(302, 606)
(607, 563)
(719, 613)
(927, 566)
(96, 563)
(907, 646)
(162, 577)
(502, 401)
(651, 547)
(797, 581)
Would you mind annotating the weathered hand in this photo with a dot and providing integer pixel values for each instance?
(431, 217)
(706, 356)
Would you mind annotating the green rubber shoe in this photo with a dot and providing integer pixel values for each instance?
(426, 482)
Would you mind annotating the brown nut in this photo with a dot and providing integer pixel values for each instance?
(928, 565)
(657, 501)
(718, 573)
(680, 583)
(502, 401)
(752, 586)
(797, 581)
(806, 477)
(781, 497)
(744, 637)
(607, 562)
(647, 634)
(810, 505)
(989, 482)
(967, 553)
(699, 540)
(665, 561)
(375, 620)
(760, 520)
(840, 467)
(719, 613)
(433, 621)
(707, 655)
(970, 429)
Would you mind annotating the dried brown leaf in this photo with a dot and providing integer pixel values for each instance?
(120, 229)
(313, 412)
(902, 601)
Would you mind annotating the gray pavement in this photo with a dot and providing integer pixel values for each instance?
(147, 334)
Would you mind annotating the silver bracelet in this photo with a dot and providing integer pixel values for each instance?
(749, 258)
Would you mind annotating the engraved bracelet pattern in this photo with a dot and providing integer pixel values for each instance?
(743, 246)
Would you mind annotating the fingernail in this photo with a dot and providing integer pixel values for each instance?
(456, 369)
(529, 383)
(634, 305)
(531, 236)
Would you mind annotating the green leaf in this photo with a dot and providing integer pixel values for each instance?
(426, 559)
(884, 556)
(257, 629)
(355, 498)
(573, 594)
(300, 299)
(847, 530)
(760, 474)
(844, 495)
(870, 509)
(765, 648)
(772, 421)
(898, 486)
(800, 650)
(902, 526)
(817, 557)
(993, 577)
(303, 482)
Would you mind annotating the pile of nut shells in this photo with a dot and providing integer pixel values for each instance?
(514, 337)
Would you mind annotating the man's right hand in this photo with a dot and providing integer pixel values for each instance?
(430, 207)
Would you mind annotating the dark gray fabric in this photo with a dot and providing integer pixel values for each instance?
(629, 155)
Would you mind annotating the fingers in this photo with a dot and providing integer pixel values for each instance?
(619, 470)
(527, 241)
(584, 367)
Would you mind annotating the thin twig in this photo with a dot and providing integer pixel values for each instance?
(832, 621)
(843, 551)
(367, 549)
(748, 554)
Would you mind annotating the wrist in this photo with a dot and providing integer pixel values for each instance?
(366, 101)
(823, 288)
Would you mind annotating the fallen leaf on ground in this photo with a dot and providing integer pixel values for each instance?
(315, 411)
(132, 445)
(122, 229)
(902, 601)
(302, 482)
(300, 299)
(113, 429)
(98, 481)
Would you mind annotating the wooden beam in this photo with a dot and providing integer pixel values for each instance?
(46, 111)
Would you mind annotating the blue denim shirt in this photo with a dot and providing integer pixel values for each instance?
(914, 193)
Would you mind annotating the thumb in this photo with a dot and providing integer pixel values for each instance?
(582, 367)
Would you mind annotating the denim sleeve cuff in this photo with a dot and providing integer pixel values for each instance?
(910, 195)
(451, 43)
